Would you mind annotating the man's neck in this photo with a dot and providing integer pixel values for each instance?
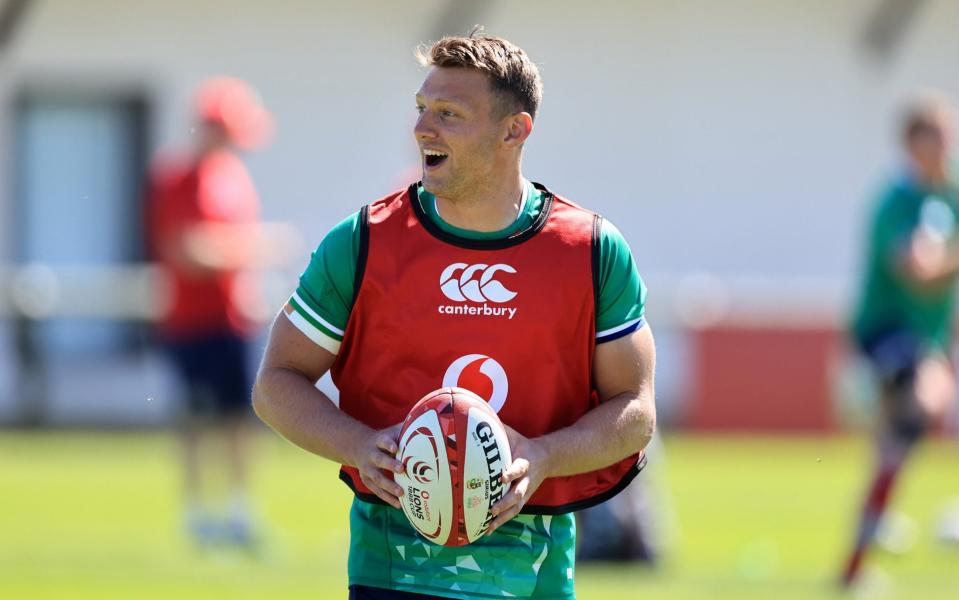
(487, 209)
(932, 176)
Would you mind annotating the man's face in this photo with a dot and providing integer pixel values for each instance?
(459, 138)
(930, 147)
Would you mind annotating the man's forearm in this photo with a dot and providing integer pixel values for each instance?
(617, 428)
(289, 403)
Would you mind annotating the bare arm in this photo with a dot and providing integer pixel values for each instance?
(203, 250)
(625, 421)
(621, 425)
(286, 398)
(228, 246)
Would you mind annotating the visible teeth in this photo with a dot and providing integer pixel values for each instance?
(433, 153)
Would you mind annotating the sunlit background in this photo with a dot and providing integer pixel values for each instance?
(736, 144)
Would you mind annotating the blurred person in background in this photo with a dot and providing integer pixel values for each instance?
(632, 526)
(205, 235)
(372, 308)
(904, 320)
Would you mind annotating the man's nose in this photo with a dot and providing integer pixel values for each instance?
(424, 130)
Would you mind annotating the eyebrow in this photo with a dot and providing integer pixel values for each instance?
(443, 100)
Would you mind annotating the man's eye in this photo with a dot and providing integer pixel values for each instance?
(420, 109)
(448, 113)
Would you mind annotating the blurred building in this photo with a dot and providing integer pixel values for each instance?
(734, 143)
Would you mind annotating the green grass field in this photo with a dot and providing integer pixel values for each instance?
(92, 515)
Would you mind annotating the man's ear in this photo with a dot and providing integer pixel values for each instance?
(518, 127)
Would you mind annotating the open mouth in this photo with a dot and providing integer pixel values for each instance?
(434, 158)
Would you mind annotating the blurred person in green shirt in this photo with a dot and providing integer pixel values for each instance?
(904, 319)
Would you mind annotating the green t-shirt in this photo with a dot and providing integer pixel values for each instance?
(532, 556)
(890, 302)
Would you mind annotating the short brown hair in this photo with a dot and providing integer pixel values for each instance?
(926, 111)
(512, 75)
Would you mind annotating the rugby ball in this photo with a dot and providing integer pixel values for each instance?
(453, 449)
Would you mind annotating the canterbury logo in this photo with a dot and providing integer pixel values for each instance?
(494, 371)
(461, 282)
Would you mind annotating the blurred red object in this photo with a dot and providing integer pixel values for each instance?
(764, 379)
(235, 106)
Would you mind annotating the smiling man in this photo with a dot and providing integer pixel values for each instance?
(473, 277)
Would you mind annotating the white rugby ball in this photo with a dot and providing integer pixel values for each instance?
(453, 448)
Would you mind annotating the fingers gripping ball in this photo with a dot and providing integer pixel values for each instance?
(453, 448)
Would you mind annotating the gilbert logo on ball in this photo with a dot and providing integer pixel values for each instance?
(453, 449)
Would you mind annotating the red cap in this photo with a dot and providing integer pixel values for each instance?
(235, 106)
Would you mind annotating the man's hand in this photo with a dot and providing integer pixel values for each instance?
(376, 454)
(525, 474)
(927, 256)
(931, 259)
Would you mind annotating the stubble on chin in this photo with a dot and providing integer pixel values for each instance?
(429, 186)
(442, 189)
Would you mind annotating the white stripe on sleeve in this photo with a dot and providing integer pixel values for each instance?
(316, 335)
(315, 316)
